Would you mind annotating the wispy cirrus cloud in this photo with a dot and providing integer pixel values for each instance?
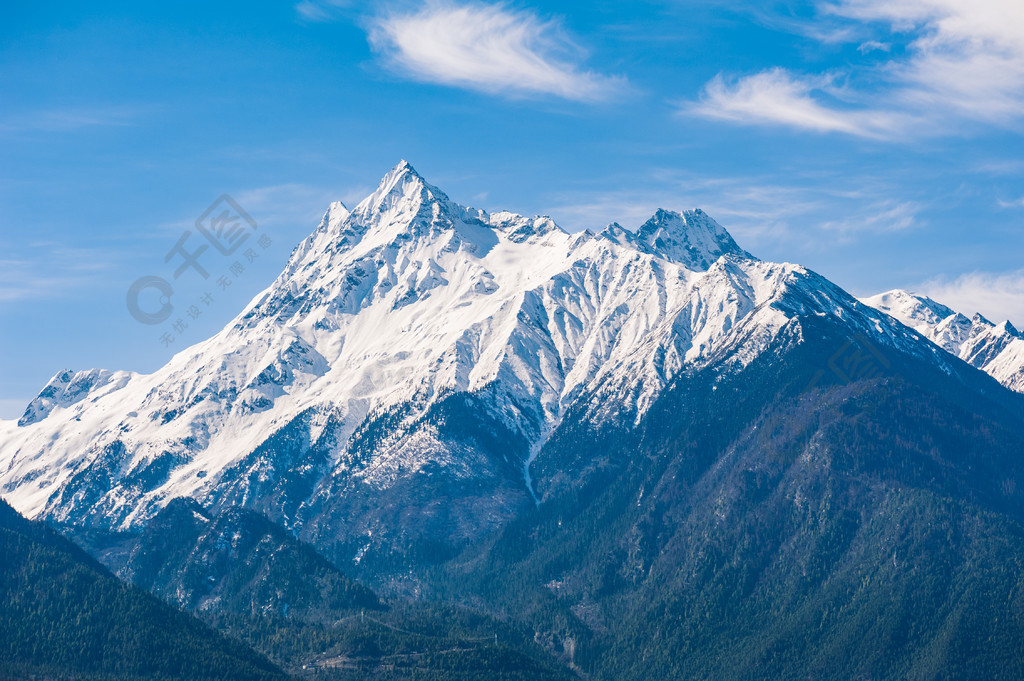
(295, 203)
(71, 118)
(961, 62)
(760, 211)
(885, 215)
(489, 48)
(320, 10)
(47, 269)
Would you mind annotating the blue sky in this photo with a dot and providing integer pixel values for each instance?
(877, 141)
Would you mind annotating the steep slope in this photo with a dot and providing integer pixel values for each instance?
(64, 616)
(254, 581)
(833, 510)
(236, 562)
(996, 349)
(385, 396)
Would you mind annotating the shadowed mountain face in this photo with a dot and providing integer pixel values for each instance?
(253, 580)
(649, 452)
(780, 523)
(64, 616)
(236, 562)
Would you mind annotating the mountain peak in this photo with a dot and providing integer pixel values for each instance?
(336, 212)
(402, 169)
(905, 305)
(1006, 327)
(620, 235)
(400, 189)
(692, 238)
(65, 389)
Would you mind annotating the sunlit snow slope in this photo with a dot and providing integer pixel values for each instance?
(412, 340)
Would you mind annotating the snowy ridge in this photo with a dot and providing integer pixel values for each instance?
(387, 310)
(996, 349)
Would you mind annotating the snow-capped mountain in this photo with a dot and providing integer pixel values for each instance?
(411, 350)
(996, 349)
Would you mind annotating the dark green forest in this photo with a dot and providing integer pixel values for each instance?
(66, 617)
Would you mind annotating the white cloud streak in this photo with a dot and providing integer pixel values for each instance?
(489, 48)
(997, 296)
(873, 45)
(778, 97)
(964, 61)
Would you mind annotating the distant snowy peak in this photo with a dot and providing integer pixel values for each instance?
(691, 238)
(997, 349)
(931, 319)
(910, 307)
